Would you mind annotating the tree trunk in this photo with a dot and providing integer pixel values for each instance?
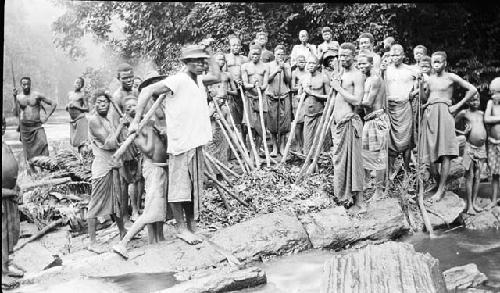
(390, 267)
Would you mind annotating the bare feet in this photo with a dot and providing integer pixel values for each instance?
(477, 208)
(189, 237)
(437, 196)
(378, 195)
(121, 250)
(470, 211)
(134, 216)
(274, 153)
(492, 205)
(96, 248)
(358, 209)
(8, 282)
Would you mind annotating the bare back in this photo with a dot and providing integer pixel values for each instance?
(149, 143)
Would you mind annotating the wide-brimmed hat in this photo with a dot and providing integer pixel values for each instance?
(194, 52)
(151, 77)
(329, 54)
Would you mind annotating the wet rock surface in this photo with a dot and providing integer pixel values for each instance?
(463, 277)
(446, 211)
(389, 267)
(335, 229)
(486, 219)
(266, 235)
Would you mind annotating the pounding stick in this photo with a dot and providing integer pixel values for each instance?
(143, 122)
(242, 166)
(311, 167)
(292, 130)
(263, 126)
(211, 171)
(315, 140)
(232, 135)
(214, 160)
(249, 128)
(240, 139)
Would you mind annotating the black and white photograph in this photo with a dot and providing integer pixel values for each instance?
(254, 147)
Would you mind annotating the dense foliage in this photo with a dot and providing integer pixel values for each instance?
(469, 33)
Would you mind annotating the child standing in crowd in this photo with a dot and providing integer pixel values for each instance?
(492, 118)
(328, 45)
(475, 150)
(297, 76)
(304, 48)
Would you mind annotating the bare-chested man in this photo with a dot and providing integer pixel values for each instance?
(261, 39)
(328, 44)
(131, 169)
(106, 196)
(438, 142)
(347, 131)
(255, 74)
(492, 118)
(77, 106)
(475, 150)
(316, 86)
(400, 80)
(366, 42)
(234, 60)
(32, 132)
(376, 128)
(279, 100)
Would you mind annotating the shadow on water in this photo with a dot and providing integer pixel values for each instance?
(141, 282)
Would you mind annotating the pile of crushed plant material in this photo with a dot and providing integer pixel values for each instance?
(268, 191)
(54, 198)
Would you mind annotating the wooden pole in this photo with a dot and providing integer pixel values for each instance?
(312, 166)
(39, 234)
(311, 151)
(211, 171)
(231, 146)
(421, 205)
(249, 128)
(240, 139)
(121, 150)
(219, 169)
(232, 135)
(212, 177)
(263, 126)
(292, 130)
(214, 160)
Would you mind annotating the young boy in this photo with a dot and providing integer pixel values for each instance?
(418, 52)
(316, 85)
(278, 99)
(425, 65)
(437, 143)
(475, 150)
(328, 44)
(297, 76)
(153, 147)
(492, 117)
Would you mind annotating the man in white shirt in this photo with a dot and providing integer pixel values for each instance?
(188, 129)
(304, 48)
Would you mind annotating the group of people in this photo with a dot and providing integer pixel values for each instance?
(382, 108)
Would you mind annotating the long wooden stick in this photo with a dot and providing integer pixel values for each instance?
(212, 177)
(311, 151)
(121, 150)
(214, 160)
(211, 171)
(240, 139)
(40, 233)
(55, 181)
(219, 169)
(312, 166)
(249, 128)
(232, 135)
(263, 126)
(231, 146)
(292, 130)
(421, 205)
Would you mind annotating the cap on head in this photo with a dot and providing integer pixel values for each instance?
(279, 47)
(424, 49)
(151, 77)
(367, 36)
(440, 53)
(193, 52)
(326, 30)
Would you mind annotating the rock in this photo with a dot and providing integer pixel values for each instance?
(446, 211)
(463, 277)
(222, 281)
(484, 220)
(335, 229)
(389, 267)
(266, 235)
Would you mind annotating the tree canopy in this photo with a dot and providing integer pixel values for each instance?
(469, 33)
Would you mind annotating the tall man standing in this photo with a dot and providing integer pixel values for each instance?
(376, 128)
(188, 130)
(347, 132)
(400, 80)
(32, 132)
(77, 106)
(439, 144)
(366, 47)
